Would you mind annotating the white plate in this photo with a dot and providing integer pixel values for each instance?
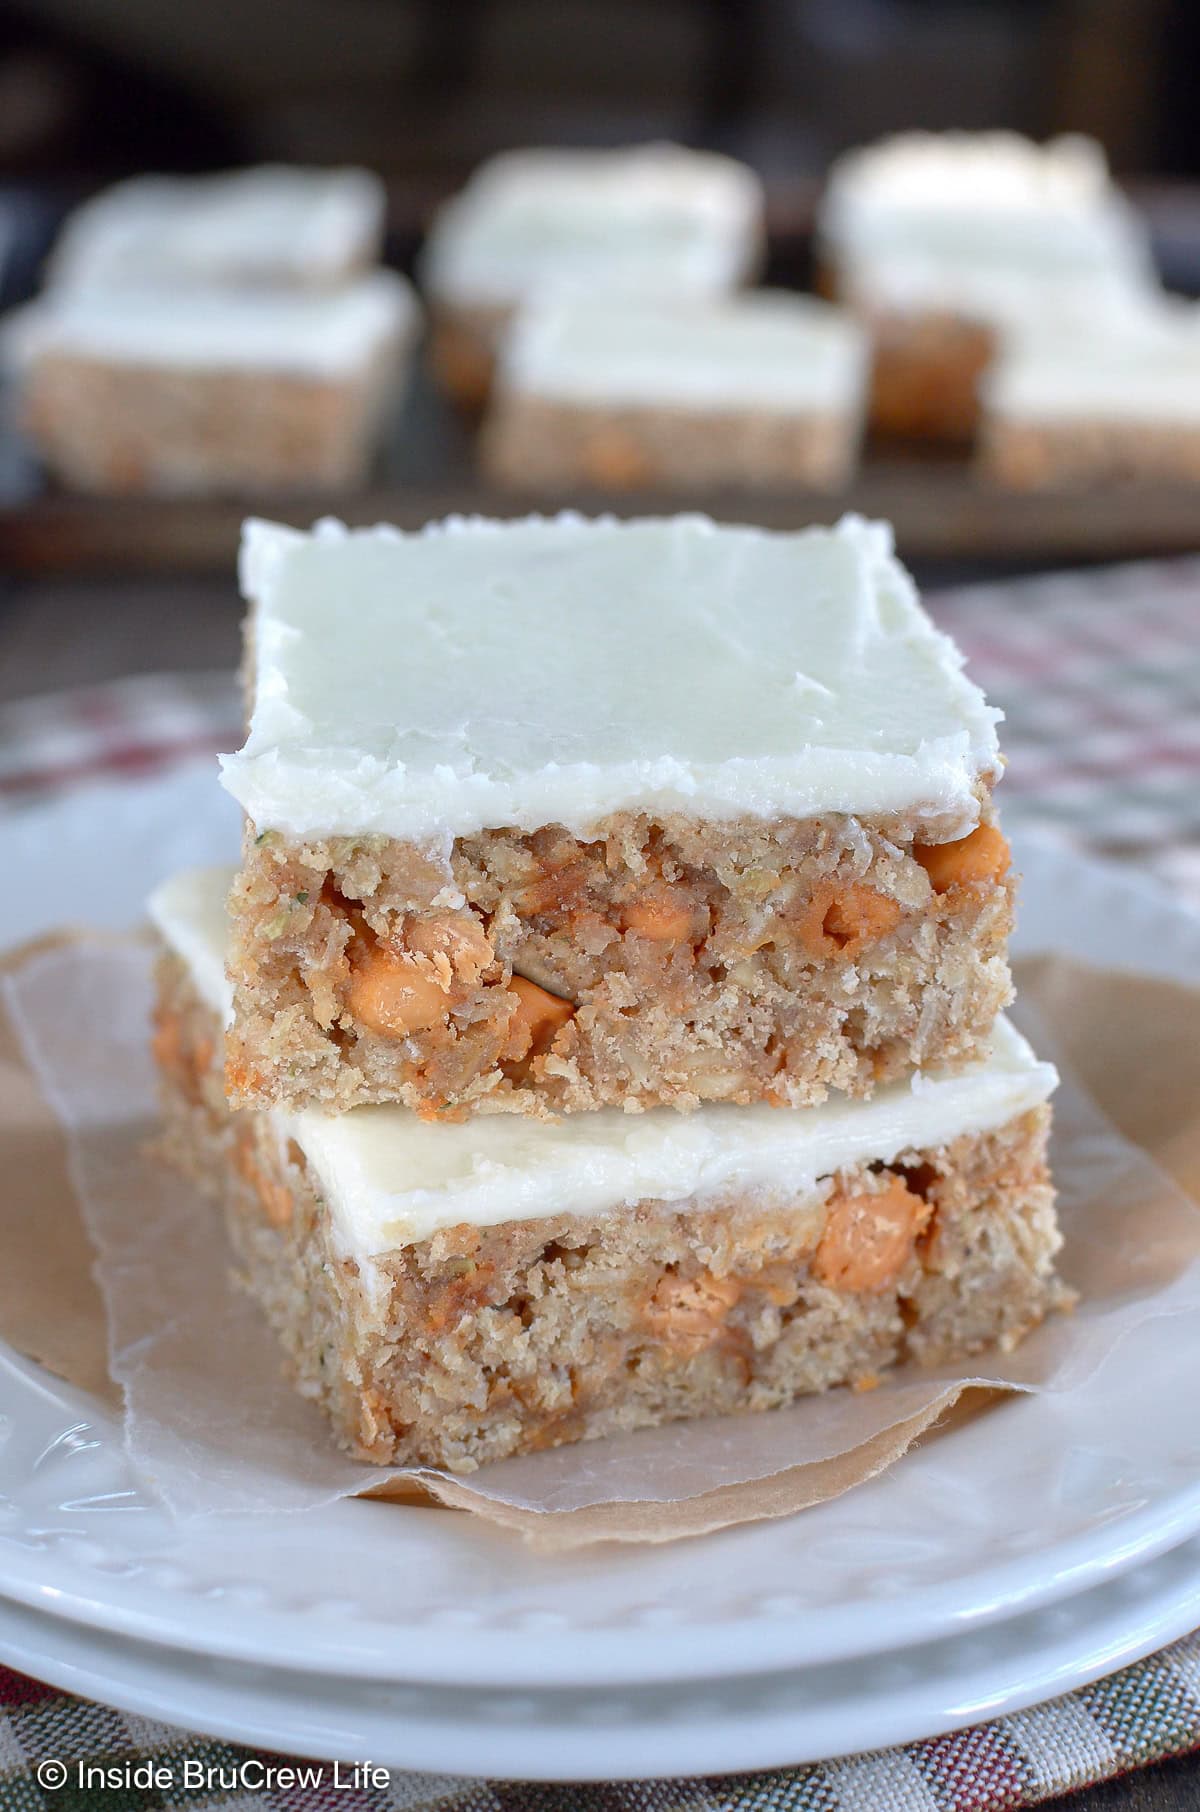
(1031, 1502)
(755, 1721)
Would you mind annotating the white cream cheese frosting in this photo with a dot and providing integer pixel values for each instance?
(1008, 297)
(764, 350)
(651, 219)
(554, 671)
(275, 224)
(331, 333)
(987, 223)
(1142, 366)
(391, 1179)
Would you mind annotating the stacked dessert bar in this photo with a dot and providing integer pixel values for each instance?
(644, 222)
(605, 1025)
(949, 244)
(207, 333)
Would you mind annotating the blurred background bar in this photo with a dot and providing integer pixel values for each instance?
(420, 91)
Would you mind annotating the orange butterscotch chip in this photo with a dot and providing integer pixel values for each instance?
(843, 918)
(167, 1042)
(984, 855)
(661, 917)
(690, 1312)
(868, 1239)
(538, 1017)
(613, 459)
(274, 1198)
(456, 945)
(394, 996)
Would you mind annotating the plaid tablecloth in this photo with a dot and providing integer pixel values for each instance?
(1099, 675)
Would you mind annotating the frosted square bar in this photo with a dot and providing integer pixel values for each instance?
(1122, 402)
(764, 390)
(148, 390)
(551, 815)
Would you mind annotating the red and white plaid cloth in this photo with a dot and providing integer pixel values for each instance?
(1099, 676)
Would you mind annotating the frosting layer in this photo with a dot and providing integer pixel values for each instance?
(331, 333)
(554, 671)
(1140, 366)
(274, 224)
(987, 224)
(391, 1179)
(653, 219)
(764, 350)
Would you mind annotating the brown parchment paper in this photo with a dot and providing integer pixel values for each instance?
(210, 1423)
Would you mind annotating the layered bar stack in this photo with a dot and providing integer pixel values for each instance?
(946, 243)
(644, 222)
(609, 1003)
(221, 333)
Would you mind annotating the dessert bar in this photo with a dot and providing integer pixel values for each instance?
(554, 814)
(1118, 403)
(454, 1294)
(219, 390)
(757, 390)
(945, 242)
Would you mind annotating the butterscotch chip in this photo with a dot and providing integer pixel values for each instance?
(690, 1312)
(843, 918)
(868, 1238)
(458, 946)
(614, 461)
(538, 1017)
(660, 917)
(394, 995)
(984, 855)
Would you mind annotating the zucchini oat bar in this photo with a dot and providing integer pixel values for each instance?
(454, 1294)
(761, 390)
(550, 815)
(1121, 403)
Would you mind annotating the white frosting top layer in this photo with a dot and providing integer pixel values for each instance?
(1008, 297)
(390, 1179)
(975, 221)
(765, 350)
(275, 224)
(1141, 366)
(654, 219)
(479, 674)
(320, 333)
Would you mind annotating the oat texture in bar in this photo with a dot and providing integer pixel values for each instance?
(553, 814)
(763, 390)
(454, 1294)
(645, 221)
